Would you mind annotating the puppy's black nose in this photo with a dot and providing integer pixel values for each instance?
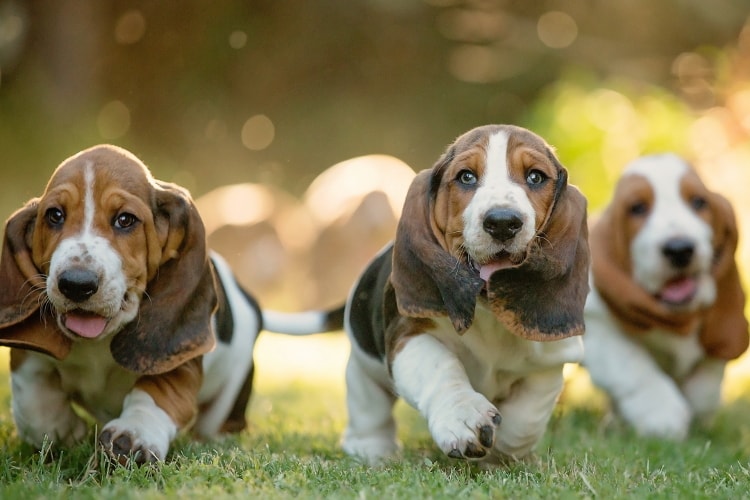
(679, 251)
(78, 284)
(502, 223)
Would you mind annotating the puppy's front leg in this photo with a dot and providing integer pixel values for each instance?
(526, 412)
(153, 412)
(645, 396)
(41, 408)
(430, 377)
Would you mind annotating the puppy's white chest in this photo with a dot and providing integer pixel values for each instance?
(93, 379)
(495, 359)
(676, 354)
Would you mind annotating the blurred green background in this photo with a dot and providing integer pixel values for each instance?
(209, 93)
(213, 93)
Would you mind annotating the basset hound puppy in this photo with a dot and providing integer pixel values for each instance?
(470, 314)
(111, 300)
(666, 308)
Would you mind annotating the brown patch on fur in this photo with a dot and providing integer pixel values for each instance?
(17, 357)
(400, 331)
(526, 150)
(725, 329)
(176, 391)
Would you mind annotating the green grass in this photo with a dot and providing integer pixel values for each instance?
(291, 451)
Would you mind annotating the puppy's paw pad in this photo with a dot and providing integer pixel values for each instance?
(466, 430)
(123, 447)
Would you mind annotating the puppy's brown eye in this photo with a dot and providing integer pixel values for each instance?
(55, 216)
(125, 220)
(535, 177)
(638, 209)
(467, 177)
(698, 203)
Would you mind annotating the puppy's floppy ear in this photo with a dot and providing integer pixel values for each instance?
(174, 320)
(427, 280)
(725, 334)
(21, 292)
(543, 298)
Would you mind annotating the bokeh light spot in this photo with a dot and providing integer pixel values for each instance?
(556, 29)
(130, 27)
(258, 132)
(216, 130)
(11, 28)
(113, 120)
(237, 39)
(472, 63)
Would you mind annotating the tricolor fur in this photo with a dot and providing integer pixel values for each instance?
(666, 308)
(111, 300)
(472, 311)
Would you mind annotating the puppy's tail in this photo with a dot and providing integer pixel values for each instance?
(304, 323)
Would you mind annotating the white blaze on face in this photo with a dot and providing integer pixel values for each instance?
(670, 217)
(496, 190)
(87, 250)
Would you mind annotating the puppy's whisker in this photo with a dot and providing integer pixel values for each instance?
(540, 237)
(461, 257)
(133, 285)
(37, 290)
(36, 281)
(46, 309)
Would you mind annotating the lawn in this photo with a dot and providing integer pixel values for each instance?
(298, 413)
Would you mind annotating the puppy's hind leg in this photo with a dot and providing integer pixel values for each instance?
(370, 433)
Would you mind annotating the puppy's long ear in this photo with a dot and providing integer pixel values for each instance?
(543, 298)
(22, 291)
(725, 334)
(427, 280)
(174, 321)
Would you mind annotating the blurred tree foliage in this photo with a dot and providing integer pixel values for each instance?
(217, 92)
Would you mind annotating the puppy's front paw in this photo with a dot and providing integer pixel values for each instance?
(66, 429)
(123, 445)
(660, 414)
(465, 427)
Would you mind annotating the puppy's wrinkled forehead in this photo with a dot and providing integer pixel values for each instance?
(664, 178)
(100, 167)
(516, 136)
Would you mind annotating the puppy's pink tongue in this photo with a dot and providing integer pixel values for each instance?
(85, 325)
(487, 270)
(679, 291)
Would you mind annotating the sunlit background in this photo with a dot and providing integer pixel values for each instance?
(297, 125)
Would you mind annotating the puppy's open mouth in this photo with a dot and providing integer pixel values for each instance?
(678, 291)
(84, 323)
(501, 260)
